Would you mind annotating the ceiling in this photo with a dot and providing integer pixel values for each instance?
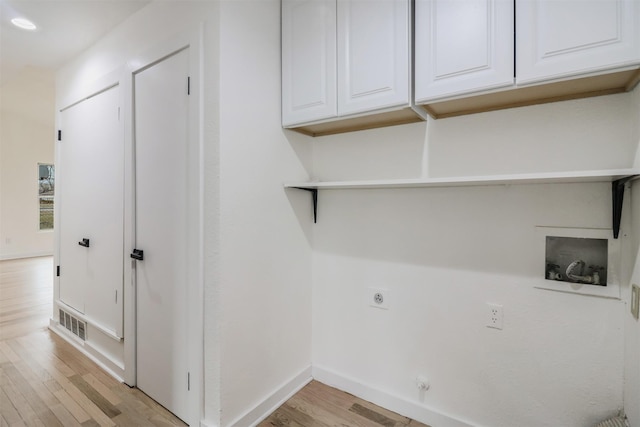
(65, 28)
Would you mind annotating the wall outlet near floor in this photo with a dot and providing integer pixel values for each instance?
(495, 316)
(422, 383)
(377, 297)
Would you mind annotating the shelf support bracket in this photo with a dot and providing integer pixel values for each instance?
(314, 198)
(617, 193)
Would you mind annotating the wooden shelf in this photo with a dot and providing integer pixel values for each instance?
(574, 88)
(471, 181)
(617, 177)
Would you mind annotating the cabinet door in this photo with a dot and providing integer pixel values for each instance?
(462, 46)
(373, 55)
(559, 38)
(308, 60)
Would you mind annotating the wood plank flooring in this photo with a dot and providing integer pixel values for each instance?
(318, 405)
(44, 381)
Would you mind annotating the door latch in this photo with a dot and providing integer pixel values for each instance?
(137, 254)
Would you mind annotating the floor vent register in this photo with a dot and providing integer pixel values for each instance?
(74, 325)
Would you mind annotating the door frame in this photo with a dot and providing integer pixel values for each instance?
(195, 280)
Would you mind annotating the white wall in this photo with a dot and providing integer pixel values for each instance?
(632, 326)
(265, 257)
(26, 139)
(147, 30)
(632, 329)
(444, 253)
(257, 254)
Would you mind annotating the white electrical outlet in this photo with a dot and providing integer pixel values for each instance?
(422, 383)
(495, 316)
(377, 297)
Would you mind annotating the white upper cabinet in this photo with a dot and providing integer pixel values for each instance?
(462, 46)
(373, 55)
(308, 60)
(465, 52)
(561, 38)
(347, 65)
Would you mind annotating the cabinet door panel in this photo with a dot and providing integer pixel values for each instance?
(91, 174)
(563, 38)
(462, 46)
(373, 55)
(308, 60)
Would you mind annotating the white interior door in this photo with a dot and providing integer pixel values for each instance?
(91, 207)
(161, 199)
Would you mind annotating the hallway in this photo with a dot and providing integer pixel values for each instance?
(43, 379)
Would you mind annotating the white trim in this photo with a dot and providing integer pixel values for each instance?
(413, 410)
(96, 87)
(105, 331)
(7, 257)
(128, 291)
(272, 402)
(192, 40)
(195, 299)
(109, 366)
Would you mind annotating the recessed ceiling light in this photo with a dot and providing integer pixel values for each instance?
(23, 23)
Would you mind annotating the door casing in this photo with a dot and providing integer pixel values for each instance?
(195, 322)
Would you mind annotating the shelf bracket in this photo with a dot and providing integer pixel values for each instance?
(314, 198)
(617, 193)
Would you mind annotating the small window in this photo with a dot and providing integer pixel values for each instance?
(46, 191)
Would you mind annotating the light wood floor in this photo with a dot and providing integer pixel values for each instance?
(44, 381)
(318, 405)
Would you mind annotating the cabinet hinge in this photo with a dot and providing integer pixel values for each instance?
(188, 85)
(116, 296)
(57, 271)
(59, 135)
(188, 381)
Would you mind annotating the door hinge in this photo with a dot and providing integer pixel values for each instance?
(59, 135)
(188, 85)
(57, 271)
(188, 381)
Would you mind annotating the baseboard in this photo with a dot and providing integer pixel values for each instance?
(272, 402)
(107, 365)
(6, 257)
(386, 400)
